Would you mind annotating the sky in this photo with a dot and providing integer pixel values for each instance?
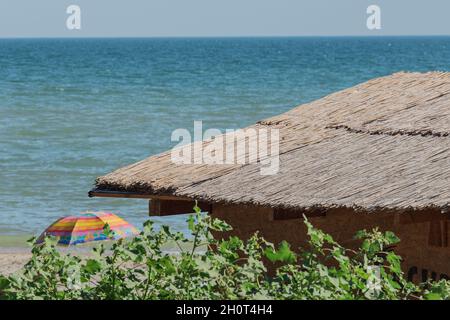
(209, 18)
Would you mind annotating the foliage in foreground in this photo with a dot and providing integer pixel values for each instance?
(206, 268)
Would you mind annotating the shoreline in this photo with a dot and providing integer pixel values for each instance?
(14, 254)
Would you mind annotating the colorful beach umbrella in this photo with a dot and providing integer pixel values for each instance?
(72, 230)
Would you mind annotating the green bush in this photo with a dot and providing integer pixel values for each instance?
(206, 268)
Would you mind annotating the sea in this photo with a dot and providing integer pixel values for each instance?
(75, 109)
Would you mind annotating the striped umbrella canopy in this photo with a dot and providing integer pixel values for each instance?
(72, 230)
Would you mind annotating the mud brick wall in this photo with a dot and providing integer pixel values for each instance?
(424, 234)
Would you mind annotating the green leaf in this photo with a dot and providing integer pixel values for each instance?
(391, 237)
(4, 283)
(283, 254)
(432, 296)
(191, 223)
(92, 266)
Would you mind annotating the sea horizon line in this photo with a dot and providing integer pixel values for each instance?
(220, 37)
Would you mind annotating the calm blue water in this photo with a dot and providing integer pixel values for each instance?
(71, 110)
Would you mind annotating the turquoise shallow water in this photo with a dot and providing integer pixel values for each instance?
(71, 110)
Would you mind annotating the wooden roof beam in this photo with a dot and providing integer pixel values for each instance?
(133, 195)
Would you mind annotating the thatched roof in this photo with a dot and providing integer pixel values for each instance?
(381, 144)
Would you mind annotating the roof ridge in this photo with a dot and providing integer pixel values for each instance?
(404, 132)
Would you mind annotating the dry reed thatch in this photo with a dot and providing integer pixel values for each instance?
(382, 144)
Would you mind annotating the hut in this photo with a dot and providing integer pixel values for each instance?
(376, 154)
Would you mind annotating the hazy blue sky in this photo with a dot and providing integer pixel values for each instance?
(46, 18)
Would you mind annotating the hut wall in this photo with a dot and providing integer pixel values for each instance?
(424, 235)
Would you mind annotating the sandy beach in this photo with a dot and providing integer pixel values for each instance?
(14, 252)
(11, 261)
